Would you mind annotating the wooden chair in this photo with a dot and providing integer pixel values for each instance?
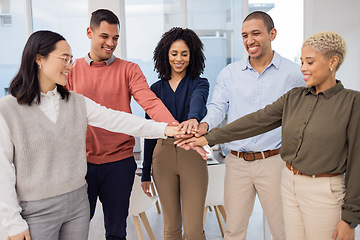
(139, 202)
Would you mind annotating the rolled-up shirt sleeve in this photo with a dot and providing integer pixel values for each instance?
(9, 205)
(351, 205)
(122, 122)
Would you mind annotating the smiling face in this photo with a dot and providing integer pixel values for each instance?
(318, 70)
(179, 58)
(257, 39)
(53, 70)
(104, 40)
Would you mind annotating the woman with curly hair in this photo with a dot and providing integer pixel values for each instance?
(180, 176)
(320, 143)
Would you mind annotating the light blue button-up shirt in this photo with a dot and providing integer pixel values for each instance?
(241, 90)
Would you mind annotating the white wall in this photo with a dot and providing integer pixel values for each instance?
(342, 17)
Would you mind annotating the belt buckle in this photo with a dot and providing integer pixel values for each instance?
(249, 153)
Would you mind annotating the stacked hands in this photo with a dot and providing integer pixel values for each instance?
(189, 135)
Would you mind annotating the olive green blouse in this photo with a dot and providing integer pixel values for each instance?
(320, 134)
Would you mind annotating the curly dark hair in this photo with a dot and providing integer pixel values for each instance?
(196, 47)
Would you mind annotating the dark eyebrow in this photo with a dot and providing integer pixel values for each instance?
(253, 31)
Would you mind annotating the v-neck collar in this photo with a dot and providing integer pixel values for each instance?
(46, 125)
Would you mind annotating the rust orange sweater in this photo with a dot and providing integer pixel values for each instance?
(112, 86)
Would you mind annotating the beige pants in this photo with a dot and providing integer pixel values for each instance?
(181, 178)
(312, 206)
(245, 179)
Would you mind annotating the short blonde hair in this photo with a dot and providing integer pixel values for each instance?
(329, 44)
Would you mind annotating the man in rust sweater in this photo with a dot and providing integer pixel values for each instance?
(112, 81)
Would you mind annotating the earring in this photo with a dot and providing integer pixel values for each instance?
(331, 69)
(39, 66)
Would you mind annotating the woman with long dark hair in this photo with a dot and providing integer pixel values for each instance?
(43, 191)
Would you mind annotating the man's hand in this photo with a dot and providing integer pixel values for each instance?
(191, 142)
(203, 128)
(146, 188)
(22, 236)
(343, 232)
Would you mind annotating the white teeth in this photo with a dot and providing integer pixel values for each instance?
(252, 48)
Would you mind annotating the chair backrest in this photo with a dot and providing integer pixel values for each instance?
(139, 202)
(215, 193)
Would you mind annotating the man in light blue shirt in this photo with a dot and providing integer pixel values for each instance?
(254, 165)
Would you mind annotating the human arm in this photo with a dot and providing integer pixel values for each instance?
(22, 236)
(9, 206)
(197, 107)
(146, 98)
(122, 122)
(351, 203)
(250, 125)
(343, 231)
(149, 145)
(218, 107)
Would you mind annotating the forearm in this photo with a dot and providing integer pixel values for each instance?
(245, 127)
(122, 122)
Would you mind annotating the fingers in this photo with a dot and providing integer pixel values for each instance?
(187, 127)
(145, 187)
(201, 151)
(174, 124)
(181, 142)
(203, 127)
(21, 236)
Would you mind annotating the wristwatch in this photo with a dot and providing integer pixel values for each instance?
(351, 224)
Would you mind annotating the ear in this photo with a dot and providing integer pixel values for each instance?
(272, 34)
(89, 32)
(39, 59)
(334, 61)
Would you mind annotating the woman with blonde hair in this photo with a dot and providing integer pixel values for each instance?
(320, 143)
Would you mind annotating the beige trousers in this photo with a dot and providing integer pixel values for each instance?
(245, 179)
(181, 178)
(312, 206)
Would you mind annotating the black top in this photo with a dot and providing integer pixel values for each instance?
(187, 102)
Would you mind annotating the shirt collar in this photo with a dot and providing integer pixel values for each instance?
(276, 60)
(49, 94)
(107, 61)
(329, 92)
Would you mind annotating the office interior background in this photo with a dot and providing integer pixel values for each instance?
(217, 22)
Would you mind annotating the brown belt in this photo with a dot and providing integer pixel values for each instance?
(252, 156)
(291, 168)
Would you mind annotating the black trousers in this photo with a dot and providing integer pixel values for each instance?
(112, 183)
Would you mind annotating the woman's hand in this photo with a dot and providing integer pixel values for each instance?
(146, 188)
(22, 236)
(191, 142)
(343, 232)
(171, 131)
(188, 127)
